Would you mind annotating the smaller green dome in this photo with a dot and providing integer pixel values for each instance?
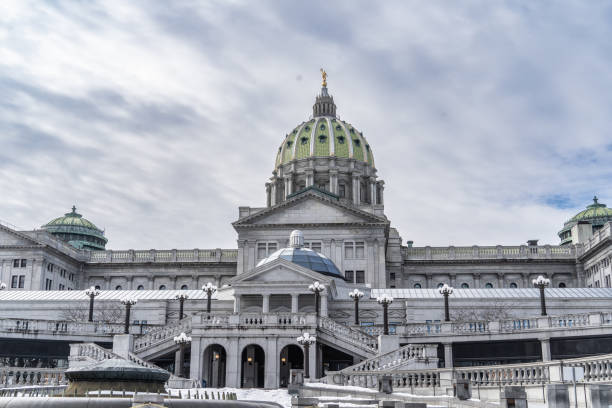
(596, 214)
(77, 231)
(593, 212)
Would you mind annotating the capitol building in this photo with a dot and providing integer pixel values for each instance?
(323, 221)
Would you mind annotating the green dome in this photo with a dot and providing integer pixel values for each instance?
(596, 214)
(77, 231)
(324, 135)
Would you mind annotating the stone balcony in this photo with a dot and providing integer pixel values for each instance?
(164, 256)
(476, 252)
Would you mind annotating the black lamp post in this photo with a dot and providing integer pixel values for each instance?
(92, 292)
(306, 340)
(317, 288)
(540, 283)
(209, 288)
(128, 302)
(446, 291)
(181, 297)
(182, 340)
(385, 300)
(356, 295)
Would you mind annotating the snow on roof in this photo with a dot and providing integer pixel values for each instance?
(79, 295)
(505, 293)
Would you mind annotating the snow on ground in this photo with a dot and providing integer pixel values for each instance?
(280, 396)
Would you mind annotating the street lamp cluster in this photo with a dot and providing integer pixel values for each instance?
(209, 288)
(446, 291)
(317, 288)
(541, 282)
(306, 340)
(385, 300)
(128, 303)
(356, 295)
(181, 297)
(92, 292)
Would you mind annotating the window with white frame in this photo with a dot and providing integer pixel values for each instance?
(265, 248)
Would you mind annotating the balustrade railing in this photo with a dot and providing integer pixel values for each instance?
(516, 374)
(162, 335)
(24, 376)
(154, 255)
(490, 252)
(603, 233)
(396, 358)
(31, 326)
(348, 334)
(571, 321)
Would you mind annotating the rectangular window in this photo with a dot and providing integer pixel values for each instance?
(14, 281)
(61, 287)
(342, 190)
(359, 276)
(21, 281)
(48, 284)
(349, 250)
(15, 263)
(607, 279)
(359, 250)
(24, 263)
(391, 275)
(314, 245)
(265, 248)
(349, 276)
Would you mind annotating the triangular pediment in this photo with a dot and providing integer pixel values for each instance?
(281, 272)
(310, 208)
(10, 237)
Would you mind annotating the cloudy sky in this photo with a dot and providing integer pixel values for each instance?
(490, 121)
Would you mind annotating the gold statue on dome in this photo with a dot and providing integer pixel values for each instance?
(324, 76)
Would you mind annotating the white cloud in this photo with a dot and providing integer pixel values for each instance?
(159, 119)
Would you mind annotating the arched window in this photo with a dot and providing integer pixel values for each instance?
(98, 287)
(513, 285)
(489, 285)
(417, 286)
(184, 287)
(162, 287)
(562, 285)
(118, 287)
(440, 284)
(465, 286)
(140, 287)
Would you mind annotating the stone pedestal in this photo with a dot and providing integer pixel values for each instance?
(296, 380)
(513, 397)
(387, 343)
(557, 396)
(123, 344)
(600, 395)
(146, 398)
(462, 389)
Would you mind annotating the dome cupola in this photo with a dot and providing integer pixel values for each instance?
(77, 231)
(305, 257)
(596, 214)
(327, 153)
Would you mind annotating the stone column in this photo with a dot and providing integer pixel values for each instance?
(333, 180)
(271, 364)
(234, 357)
(500, 280)
(476, 280)
(453, 279)
(273, 200)
(324, 304)
(236, 303)
(546, 355)
(268, 195)
(265, 306)
(381, 189)
(195, 366)
(372, 190)
(294, 302)
(356, 188)
(309, 177)
(448, 355)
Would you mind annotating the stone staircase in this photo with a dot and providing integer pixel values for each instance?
(342, 336)
(409, 357)
(161, 340)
